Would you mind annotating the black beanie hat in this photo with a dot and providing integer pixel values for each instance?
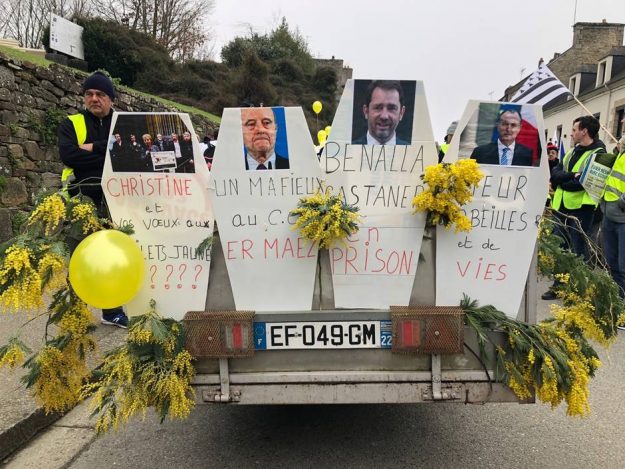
(99, 81)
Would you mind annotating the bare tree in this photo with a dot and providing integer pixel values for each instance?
(178, 25)
(25, 20)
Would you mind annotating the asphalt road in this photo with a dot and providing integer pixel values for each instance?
(369, 436)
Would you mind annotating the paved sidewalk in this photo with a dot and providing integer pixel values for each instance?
(20, 416)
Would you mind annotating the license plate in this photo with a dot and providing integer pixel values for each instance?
(322, 335)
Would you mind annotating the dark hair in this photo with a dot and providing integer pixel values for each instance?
(385, 85)
(590, 123)
(513, 111)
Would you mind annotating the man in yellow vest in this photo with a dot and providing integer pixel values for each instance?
(447, 140)
(613, 225)
(574, 207)
(83, 139)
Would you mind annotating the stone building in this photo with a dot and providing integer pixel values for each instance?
(593, 68)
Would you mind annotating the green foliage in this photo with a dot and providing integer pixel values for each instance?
(253, 82)
(3, 183)
(205, 245)
(324, 82)
(47, 127)
(132, 56)
(13, 127)
(280, 44)
(17, 220)
(584, 281)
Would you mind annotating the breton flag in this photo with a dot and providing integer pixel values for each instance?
(541, 87)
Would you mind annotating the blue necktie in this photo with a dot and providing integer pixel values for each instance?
(504, 156)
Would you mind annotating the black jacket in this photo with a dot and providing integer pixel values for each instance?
(87, 166)
(566, 179)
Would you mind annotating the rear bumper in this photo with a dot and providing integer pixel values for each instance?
(350, 388)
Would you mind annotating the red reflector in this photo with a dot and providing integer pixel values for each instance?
(237, 336)
(410, 333)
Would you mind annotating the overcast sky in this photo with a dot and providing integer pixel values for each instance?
(460, 49)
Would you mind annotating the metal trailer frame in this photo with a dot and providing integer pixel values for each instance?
(352, 376)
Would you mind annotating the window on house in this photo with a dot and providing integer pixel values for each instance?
(601, 69)
(618, 121)
(573, 86)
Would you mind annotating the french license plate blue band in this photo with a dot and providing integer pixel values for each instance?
(322, 335)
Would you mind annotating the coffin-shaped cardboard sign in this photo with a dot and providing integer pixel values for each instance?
(380, 143)
(156, 179)
(491, 263)
(264, 163)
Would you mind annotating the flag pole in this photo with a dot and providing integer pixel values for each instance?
(591, 114)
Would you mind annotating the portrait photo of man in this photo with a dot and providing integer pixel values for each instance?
(263, 149)
(505, 149)
(383, 112)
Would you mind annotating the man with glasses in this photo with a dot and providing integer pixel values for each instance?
(83, 139)
(505, 151)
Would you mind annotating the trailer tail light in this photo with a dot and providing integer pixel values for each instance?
(427, 329)
(408, 334)
(219, 334)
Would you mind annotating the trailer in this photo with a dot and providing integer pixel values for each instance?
(398, 355)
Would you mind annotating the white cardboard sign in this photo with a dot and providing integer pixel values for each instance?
(271, 267)
(377, 266)
(169, 208)
(491, 262)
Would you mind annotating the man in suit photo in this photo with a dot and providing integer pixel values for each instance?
(259, 137)
(505, 151)
(383, 110)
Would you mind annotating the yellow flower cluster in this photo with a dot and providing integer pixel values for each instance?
(85, 214)
(449, 187)
(13, 356)
(52, 267)
(50, 212)
(21, 281)
(77, 320)
(61, 376)
(543, 378)
(325, 219)
(128, 386)
(580, 314)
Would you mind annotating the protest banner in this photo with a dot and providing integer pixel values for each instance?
(264, 163)
(381, 141)
(491, 263)
(163, 194)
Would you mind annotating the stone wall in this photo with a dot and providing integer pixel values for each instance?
(28, 163)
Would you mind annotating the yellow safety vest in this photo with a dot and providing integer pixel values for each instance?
(572, 200)
(444, 148)
(615, 182)
(80, 127)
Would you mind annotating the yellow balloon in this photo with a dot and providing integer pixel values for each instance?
(106, 269)
(327, 129)
(321, 137)
(317, 107)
